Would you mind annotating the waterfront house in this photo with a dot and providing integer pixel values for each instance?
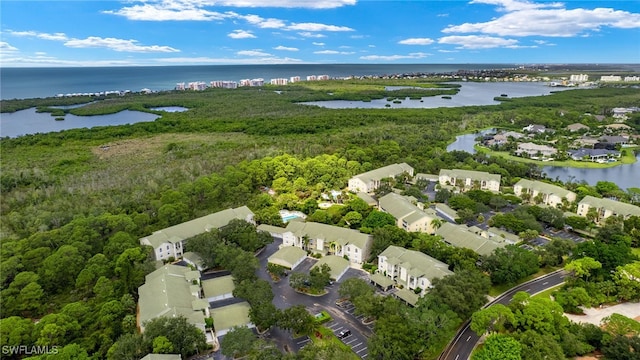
(408, 216)
(469, 179)
(535, 150)
(541, 192)
(328, 240)
(169, 243)
(171, 291)
(595, 155)
(614, 139)
(369, 181)
(605, 208)
(465, 237)
(409, 268)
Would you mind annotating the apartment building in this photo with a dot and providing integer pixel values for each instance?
(369, 181)
(408, 215)
(606, 208)
(545, 193)
(469, 179)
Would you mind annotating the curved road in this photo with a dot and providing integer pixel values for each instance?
(464, 342)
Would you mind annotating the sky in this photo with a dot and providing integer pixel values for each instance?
(244, 32)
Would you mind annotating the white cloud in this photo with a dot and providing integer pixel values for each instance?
(333, 52)
(247, 61)
(313, 4)
(308, 34)
(416, 41)
(477, 42)
(117, 45)
(252, 53)
(284, 48)
(39, 35)
(448, 51)
(5, 47)
(264, 23)
(418, 55)
(318, 43)
(169, 10)
(524, 18)
(241, 34)
(316, 27)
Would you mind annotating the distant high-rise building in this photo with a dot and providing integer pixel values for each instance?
(610, 78)
(180, 86)
(579, 78)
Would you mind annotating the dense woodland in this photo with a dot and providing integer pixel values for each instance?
(75, 203)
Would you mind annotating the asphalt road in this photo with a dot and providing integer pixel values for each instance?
(466, 340)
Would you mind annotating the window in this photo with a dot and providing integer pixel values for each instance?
(167, 247)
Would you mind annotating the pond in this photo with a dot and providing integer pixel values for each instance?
(169, 108)
(25, 122)
(470, 94)
(625, 176)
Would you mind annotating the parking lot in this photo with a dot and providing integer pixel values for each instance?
(342, 317)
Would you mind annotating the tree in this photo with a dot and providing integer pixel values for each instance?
(622, 348)
(238, 342)
(128, 346)
(162, 345)
(436, 223)
(463, 292)
(322, 350)
(245, 235)
(553, 253)
(354, 287)
(582, 268)
(61, 268)
(298, 320)
(537, 346)
(528, 235)
(395, 338)
(388, 235)
(186, 338)
(16, 331)
(509, 264)
(491, 319)
(499, 346)
(377, 219)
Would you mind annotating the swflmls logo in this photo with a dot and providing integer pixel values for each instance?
(29, 350)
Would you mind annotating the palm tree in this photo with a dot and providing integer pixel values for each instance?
(305, 242)
(436, 223)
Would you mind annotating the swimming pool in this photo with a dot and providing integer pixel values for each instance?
(289, 217)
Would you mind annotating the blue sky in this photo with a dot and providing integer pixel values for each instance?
(222, 32)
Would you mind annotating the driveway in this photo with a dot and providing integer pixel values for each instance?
(342, 318)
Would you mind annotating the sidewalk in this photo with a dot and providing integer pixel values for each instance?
(595, 315)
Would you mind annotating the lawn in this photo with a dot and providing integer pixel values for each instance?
(324, 334)
(499, 289)
(629, 158)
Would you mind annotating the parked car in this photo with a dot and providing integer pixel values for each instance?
(344, 333)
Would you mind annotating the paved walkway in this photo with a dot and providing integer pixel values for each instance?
(595, 315)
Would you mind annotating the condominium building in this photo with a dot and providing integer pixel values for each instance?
(279, 81)
(472, 238)
(409, 268)
(408, 216)
(328, 240)
(606, 78)
(605, 208)
(579, 78)
(469, 179)
(538, 191)
(169, 243)
(370, 181)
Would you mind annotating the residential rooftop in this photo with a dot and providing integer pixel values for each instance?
(342, 236)
(385, 172)
(470, 174)
(287, 256)
(417, 263)
(613, 205)
(337, 264)
(459, 236)
(218, 286)
(544, 187)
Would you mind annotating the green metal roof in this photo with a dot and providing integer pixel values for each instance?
(544, 188)
(194, 258)
(167, 292)
(417, 263)
(447, 210)
(218, 286)
(271, 229)
(197, 226)
(329, 233)
(381, 280)
(459, 236)
(162, 357)
(470, 174)
(428, 177)
(226, 317)
(513, 238)
(337, 264)
(367, 198)
(399, 206)
(615, 206)
(407, 295)
(287, 256)
(385, 172)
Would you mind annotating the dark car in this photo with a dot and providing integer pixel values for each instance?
(344, 333)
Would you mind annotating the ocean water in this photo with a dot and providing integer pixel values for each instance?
(24, 83)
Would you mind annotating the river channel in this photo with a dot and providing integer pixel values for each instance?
(625, 176)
